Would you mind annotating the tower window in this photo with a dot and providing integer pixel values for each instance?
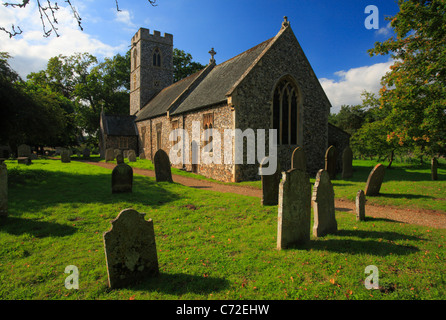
(157, 58)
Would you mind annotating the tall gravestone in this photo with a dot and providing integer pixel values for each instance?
(434, 166)
(331, 156)
(375, 180)
(122, 176)
(347, 163)
(3, 190)
(65, 156)
(131, 155)
(161, 162)
(24, 150)
(323, 205)
(270, 185)
(294, 218)
(130, 249)
(360, 206)
(109, 155)
(298, 159)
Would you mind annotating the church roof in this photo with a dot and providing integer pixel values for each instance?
(199, 92)
(122, 125)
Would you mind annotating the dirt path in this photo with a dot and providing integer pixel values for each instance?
(429, 218)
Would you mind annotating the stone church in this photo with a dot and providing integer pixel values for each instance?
(270, 86)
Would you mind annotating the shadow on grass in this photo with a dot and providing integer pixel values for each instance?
(178, 284)
(36, 228)
(404, 196)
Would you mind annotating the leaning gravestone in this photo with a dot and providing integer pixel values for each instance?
(109, 155)
(130, 249)
(270, 185)
(360, 206)
(294, 219)
(298, 160)
(122, 177)
(347, 160)
(330, 162)
(131, 155)
(23, 150)
(161, 162)
(323, 205)
(3, 190)
(434, 166)
(375, 180)
(65, 156)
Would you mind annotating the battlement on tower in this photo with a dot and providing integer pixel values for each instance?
(144, 34)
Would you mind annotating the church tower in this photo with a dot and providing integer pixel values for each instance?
(151, 66)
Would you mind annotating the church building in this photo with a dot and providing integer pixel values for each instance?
(270, 86)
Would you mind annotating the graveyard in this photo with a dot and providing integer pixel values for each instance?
(214, 245)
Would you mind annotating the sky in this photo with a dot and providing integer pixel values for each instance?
(335, 35)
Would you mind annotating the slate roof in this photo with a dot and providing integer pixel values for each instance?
(119, 125)
(207, 91)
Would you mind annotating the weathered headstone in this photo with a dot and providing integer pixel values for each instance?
(65, 156)
(125, 153)
(347, 163)
(23, 150)
(294, 220)
(270, 185)
(298, 159)
(109, 154)
(374, 181)
(142, 155)
(122, 177)
(323, 205)
(131, 155)
(161, 162)
(86, 153)
(117, 151)
(3, 190)
(360, 206)
(331, 156)
(434, 166)
(130, 249)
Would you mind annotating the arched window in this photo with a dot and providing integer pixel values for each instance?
(286, 116)
(135, 57)
(157, 57)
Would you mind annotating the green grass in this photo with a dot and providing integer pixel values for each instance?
(210, 245)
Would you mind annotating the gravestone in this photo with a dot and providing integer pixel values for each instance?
(23, 150)
(109, 155)
(142, 155)
(294, 219)
(375, 180)
(360, 206)
(126, 153)
(347, 163)
(323, 205)
(3, 190)
(65, 156)
(162, 166)
(331, 156)
(270, 185)
(117, 151)
(130, 249)
(131, 155)
(122, 177)
(86, 153)
(298, 159)
(119, 159)
(434, 166)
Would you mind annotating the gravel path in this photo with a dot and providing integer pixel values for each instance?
(429, 218)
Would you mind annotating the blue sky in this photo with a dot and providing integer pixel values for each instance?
(331, 33)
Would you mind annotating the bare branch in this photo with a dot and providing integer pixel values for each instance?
(13, 33)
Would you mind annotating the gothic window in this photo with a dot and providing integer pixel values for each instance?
(208, 123)
(135, 56)
(285, 113)
(158, 128)
(175, 125)
(157, 58)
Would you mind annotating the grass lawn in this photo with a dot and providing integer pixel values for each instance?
(210, 245)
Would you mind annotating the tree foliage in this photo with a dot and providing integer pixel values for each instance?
(183, 65)
(414, 90)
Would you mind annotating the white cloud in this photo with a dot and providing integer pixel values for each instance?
(125, 17)
(351, 83)
(384, 31)
(31, 51)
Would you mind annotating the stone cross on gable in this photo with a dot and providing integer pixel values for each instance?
(212, 53)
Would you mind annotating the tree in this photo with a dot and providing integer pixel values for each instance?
(415, 88)
(48, 14)
(183, 65)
